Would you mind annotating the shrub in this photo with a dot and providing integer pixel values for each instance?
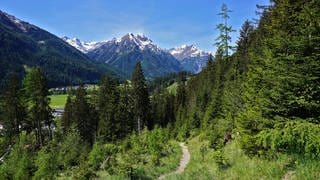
(46, 162)
(100, 155)
(292, 137)
(220, 159)
(71, 149)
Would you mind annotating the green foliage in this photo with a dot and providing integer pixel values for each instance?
(19, 164)
(142, 156)
(100, 155)
(109, 126)
(83, 171)
(222, 42)
(84, 116)
(63, 64)
(162, 108)
(141, 102)
(67, 117)
(292, 137)
(240, 166)
(71, 149)
(47, 162)
(58, 100)
(266, 95)
(220, 159)
(36, 95)
(13, 110)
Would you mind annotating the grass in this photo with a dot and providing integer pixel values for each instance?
(173, 88)
(240, 166)
(167, 164)
(58, 101)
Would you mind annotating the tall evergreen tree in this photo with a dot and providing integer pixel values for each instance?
(108, 98)
(243, 45)
(36, 93)
(181, 92)
(13, 109)
(84, 121)
(141, 100)
(224, 39)
(124, 112)
(67, 117)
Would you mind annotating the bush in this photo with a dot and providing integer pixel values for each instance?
(46, 162)
(100, 155)
(19, 163)
(220, 159)
(292, 137)
(71, 149)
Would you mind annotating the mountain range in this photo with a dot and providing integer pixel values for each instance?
(23, 45)
(191, 58)
(123, 53)
(67, 61)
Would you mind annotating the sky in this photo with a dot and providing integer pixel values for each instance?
(169, 23)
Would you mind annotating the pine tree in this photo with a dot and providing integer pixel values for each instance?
(82, 116)
(210, 61)
(224, 39)
(13, 110)
(67, 117)
(141, 100)
(108, 97)
(243, 45)
(36, 93)
(181, 93)
(124, 112)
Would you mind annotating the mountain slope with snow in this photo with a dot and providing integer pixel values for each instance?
(26, 45)
(122, 53)
(191, 58)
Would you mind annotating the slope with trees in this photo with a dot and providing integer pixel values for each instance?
(257, 108)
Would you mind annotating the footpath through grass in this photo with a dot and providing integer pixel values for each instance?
(58, 101)
(232, 163)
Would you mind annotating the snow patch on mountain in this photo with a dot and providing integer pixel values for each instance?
(22, 25)
(187, 51)
(139, 40)
(84, 47)
(191, 58)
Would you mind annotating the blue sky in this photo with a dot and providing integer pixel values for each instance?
(168, 23)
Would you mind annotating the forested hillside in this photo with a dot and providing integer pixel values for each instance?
(269, 85)
(252, 113)
(24, 45)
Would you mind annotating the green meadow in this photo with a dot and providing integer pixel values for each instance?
(58, 101)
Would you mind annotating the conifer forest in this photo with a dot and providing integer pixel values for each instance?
(252, 112)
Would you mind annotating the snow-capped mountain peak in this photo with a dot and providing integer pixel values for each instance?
(84, 47)
(186, 51)
(139, 40)
(191, 58)
(130, 39)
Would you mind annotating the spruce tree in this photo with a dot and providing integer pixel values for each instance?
(13, 109)
(141, 103)
(36, 93)
(243, 45)
(124, 112)
(181, 93)
(224, 39)
(67, 117)
(108, 98)
(82, 116)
